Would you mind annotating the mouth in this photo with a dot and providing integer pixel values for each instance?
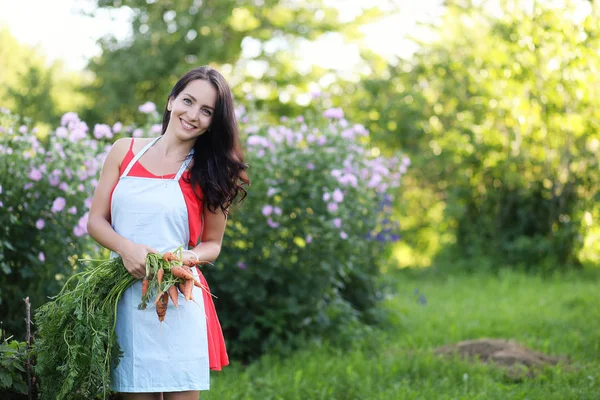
(186, 125)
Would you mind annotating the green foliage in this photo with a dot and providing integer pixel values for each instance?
(43, 212)
(554, 315)
(170, 38)
(76, 344)
(13, 355)
(34, 90)
(301, 254)
(500, 118)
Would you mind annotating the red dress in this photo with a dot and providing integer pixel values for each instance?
(217, 352)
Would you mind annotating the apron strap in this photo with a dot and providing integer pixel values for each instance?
(138, 156)
(184, 165)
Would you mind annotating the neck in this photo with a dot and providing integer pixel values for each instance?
(172, 148)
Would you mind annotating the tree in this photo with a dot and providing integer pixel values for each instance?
(500, 116)
(171, 37)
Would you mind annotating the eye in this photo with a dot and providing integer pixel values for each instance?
(207, 112)
(187, 101)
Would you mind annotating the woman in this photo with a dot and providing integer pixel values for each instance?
(153, 196)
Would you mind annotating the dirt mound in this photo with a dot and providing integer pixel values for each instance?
(519, 361)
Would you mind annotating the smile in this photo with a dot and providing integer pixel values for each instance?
(187, 125)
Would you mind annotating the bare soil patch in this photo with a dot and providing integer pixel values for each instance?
(518, 361)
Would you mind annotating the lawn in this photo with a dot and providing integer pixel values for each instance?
(557, 315)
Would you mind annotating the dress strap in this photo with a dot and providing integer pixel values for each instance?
(138, 156)
(184, 165)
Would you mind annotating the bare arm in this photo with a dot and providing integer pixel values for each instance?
(212, 235)
(99, 226)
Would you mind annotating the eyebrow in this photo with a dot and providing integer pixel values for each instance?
(193, 98)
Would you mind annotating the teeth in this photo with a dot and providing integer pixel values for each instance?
(185, 124)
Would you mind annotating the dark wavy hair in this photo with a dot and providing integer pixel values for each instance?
(218, 167)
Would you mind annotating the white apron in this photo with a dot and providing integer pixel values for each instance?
(172, 356)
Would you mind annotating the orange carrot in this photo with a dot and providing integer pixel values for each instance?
(168, 256)
(159, 276)
(188, 289)
(189, 263)
(181, 287)
(145, 285)
(200, 262)
(161, 306)
(174, 295)
(179, 272)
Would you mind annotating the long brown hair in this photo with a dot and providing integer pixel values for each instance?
(218, 162)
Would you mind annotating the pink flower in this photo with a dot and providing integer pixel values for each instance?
(338, 196)
(35, 174)
(88, 202)
(23, 129)
(272, 224)
(347, 134)
(300, 119)
(69, 117)
(117, 127)
(102, 130)
(321, 140)
(81, 227)
(267, 210)
(270, 192)
(28, 185)
(343, 235)
(62, 132)
(277, 210)
(80, 187)
(40, 223)
(332, 207)
(1, 204)
(334, 113)
(138, 133)
(241, 265)
(58, 205)
(147, 108)
(79, 231)
(308, 239)
(54, 180)
(41, 256)
(72, 210)
(326, 197)
(310, 166)
(63, 186)
(337, 222)
(156, 128)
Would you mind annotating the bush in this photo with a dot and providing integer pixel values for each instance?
(13, 377)
(44, 197)
(301, 255)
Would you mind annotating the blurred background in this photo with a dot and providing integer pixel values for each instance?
(488, 110)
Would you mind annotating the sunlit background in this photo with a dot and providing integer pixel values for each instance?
(473, 127)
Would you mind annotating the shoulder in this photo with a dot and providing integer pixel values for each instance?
(118, 151)
(138, 143)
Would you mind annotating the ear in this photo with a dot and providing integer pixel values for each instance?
(170, 104)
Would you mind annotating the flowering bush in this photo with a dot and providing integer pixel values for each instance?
(45, 192)
(299, 258)
(301, 255)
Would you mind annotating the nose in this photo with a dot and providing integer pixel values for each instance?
(194, 115)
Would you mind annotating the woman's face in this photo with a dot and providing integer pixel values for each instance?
(192, 110)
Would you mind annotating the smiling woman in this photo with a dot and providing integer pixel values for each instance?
(153, 196)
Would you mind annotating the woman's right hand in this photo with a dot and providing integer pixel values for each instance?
(134, 258)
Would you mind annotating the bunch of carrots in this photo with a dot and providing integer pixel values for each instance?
(76, 345)
(166, 275)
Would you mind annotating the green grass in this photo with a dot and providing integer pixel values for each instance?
(558, 316)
